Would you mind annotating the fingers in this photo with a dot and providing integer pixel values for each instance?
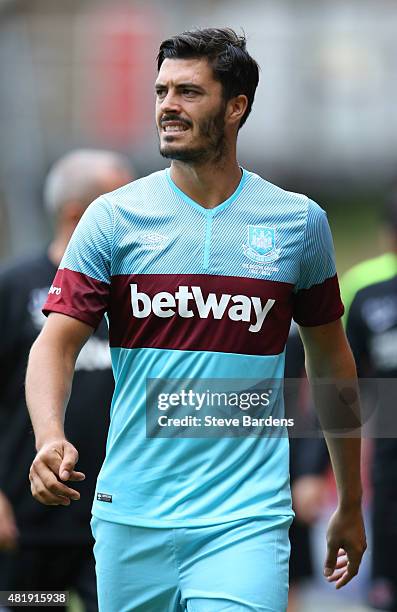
(346, 529)
(66, 471)
(330, 560)
(45, 485)
(47, 489)
(346, 568)
(342, 561)
(340, 566)
(75, 476)
(353, 565)
(69, 460)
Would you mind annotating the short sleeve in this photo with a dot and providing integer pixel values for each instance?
(317, 298)
(81, 285)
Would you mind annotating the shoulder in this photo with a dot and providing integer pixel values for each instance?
(264, 188)
(137, 189)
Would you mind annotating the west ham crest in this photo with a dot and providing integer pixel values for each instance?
(261, 244)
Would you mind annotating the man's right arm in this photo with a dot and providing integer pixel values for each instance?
(48, 385)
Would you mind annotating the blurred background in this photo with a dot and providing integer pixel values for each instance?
(324, 121)
(79, 73)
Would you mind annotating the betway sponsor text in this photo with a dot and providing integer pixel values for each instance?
(236, 307)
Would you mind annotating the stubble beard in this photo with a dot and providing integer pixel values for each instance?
(212, 131)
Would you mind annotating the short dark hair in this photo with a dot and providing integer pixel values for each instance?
(226, 52)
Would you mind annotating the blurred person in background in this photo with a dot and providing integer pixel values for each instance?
(43, 548)
(200, 523)
(378, 268)
(372, 332)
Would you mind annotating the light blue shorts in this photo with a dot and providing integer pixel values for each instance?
(233, 567)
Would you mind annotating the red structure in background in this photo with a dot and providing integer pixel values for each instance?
(121, 49)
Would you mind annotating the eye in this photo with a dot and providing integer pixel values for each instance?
(161, 92)
(189, 93)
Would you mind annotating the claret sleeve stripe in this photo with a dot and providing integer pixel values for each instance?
(317, 298)
(318, 305)
(81, 287)
(79, 296)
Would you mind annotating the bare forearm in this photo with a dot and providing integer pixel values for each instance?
(48, 384)
(336, 397)
(345, 456)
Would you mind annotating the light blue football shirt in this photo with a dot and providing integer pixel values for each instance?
(195, 293)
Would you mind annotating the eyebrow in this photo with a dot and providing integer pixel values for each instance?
(188, 84)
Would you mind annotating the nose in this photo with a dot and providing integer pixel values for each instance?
(170, 102)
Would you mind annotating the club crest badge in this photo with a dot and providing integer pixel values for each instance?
(261, 244)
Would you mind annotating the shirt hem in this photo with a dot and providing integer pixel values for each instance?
(138, 521)
(323, 321)
(74, 314)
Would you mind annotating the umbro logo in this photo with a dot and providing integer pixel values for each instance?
(153, 240)
(56, 290)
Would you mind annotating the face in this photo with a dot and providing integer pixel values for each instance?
(190, 111)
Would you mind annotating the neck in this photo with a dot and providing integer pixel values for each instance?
(208, 184)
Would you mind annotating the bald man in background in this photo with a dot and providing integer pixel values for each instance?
(44, 548)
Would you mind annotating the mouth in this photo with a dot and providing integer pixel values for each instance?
(174, 127)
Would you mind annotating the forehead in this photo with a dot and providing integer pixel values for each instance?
(197, 70)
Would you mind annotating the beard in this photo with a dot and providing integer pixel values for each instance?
(212, 142)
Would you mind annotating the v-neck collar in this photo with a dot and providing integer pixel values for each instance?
(199, 207)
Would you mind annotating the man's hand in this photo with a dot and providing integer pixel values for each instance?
(346, 545)
(53, 464)
(8, 527)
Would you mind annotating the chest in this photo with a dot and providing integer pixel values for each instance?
(205, 280)
(241, 243)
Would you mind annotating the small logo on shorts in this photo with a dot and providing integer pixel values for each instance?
(261, 244)
(105, 497)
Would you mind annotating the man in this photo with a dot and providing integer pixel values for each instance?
(51, 548)
(196, 283)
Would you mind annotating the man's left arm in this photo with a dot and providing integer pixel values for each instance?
(332, 374)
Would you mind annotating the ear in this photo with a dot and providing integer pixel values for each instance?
(235, 109)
